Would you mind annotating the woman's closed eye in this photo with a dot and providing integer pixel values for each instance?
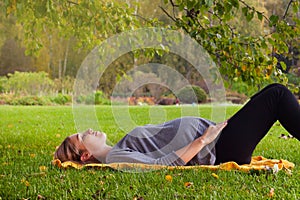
(81, 136)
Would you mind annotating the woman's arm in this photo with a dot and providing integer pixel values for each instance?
(211, 133)
(130, 156)
(176, 157)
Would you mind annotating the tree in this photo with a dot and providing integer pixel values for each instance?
(13, 58)
(241, 57)
(56, 30)
(240, 54)
(88, 21)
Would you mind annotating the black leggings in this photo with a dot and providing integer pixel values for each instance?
(250, 124)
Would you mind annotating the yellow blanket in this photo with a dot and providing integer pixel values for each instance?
(257, 163)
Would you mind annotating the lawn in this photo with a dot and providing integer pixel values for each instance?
(29, 135)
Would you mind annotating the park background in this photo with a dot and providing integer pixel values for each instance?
(43, 43)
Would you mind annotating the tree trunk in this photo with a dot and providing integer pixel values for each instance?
(66, 59)
(50, 55)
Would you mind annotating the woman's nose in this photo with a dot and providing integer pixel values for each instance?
(90, 131)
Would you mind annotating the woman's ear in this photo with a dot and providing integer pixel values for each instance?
(85, 156)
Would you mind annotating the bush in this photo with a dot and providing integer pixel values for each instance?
(30, 101)
(97, 98)
(29, 83)
(295, 80)
(243, 88)
(100, 99)
(6, 98)
(61, 99)
(3, 83)
(192, 94)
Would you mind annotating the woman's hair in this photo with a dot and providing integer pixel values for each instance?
(67, 151)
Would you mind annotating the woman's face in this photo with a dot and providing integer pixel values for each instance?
(92, 141)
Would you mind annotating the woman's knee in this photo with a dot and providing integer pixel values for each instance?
(278, 87)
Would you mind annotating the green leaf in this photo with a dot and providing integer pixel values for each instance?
(276, 36)
(227, 7)
(245, 11)
(235, 3)
(209, 3)
(264, 45)
(296, 7)
(259, 15)
(261, 59)
(181, 7)
(273, 20)
(250, 16)
(283, 65)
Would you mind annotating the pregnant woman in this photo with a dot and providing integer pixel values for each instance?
(192, 140)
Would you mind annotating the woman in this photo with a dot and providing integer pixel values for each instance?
(192, 140)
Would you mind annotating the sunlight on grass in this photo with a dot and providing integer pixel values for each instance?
(29, 136)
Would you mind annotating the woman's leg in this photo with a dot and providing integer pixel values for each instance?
(250, 124)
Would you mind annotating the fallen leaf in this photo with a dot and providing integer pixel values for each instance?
(272, 192)
(40, 197)
(43, 168)
(215, 175)
(32, 155)
(188, 184)
(26, 183)
(169, 178)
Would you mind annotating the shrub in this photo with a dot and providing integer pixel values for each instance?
(3, 83)
(100, 99)
(29, 101)
(6, 98)
(64, 85)
(29, 83)
(243, 88)
(295, 80)
(192, 94)
(97, 98)
(61, 99)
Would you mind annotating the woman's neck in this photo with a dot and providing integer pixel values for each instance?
(105, 150)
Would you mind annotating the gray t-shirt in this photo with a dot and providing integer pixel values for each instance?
(156, 144)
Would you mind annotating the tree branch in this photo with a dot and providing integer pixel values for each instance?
(143, 18)
(252, 8)
(287, 9)
(221, 22)
(173, 4)
(72, 2)
(166, 12)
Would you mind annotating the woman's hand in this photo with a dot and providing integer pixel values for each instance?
(212, 132)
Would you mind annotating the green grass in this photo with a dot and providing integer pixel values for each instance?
(29, 135)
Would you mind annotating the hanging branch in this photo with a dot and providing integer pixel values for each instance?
(72, 2)
(287, 9)
(252, 8)
(168, 14)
